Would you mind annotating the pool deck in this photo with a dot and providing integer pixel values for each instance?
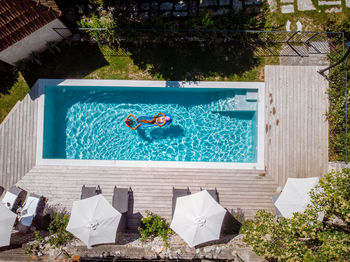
(296, 145)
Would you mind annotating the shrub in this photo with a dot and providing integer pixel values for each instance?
(153, 225)
(101, 2)
(332, 196)
(21, 66)
(105, 21)
(339, 23)
(336, 114)
(53, 48)
(303, 237)
(35, 58)
(59, 236)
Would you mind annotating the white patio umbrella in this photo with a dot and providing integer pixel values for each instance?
(197, 218)
(94, 221)
(7, 219)
(295, 196)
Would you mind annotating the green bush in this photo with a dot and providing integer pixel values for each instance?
(53, 48)
(104, 21)
(35, 58)
(332, 196)
(303, 237)
(59, 236)
(336, 113)
(21, 66)
(101, 2)
(339, 22)
(152, 226)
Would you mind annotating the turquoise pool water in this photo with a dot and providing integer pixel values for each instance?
(213, 125)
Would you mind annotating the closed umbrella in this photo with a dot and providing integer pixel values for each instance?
(197, 218)
(7, 219)
(94, 221)
(295, 196)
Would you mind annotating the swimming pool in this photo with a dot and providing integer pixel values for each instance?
(210, 124)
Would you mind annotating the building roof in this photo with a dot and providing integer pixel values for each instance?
(20, 18)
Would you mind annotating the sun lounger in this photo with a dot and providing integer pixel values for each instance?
(87, 192)
(13, 197)
(120, 199)
(120, 202)
(178, 192)
(1, 190)
(214, 193)
(29, 210)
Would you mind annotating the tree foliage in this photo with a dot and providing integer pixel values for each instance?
(305, 236)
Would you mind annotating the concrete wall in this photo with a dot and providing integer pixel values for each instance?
(36, 42)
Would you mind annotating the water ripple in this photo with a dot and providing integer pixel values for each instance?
(95, 129)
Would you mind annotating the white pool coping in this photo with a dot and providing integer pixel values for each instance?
(259, 165)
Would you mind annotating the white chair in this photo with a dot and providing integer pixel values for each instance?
(29, 210)
(12, 197)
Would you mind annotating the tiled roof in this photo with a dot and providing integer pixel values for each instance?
(20, 18)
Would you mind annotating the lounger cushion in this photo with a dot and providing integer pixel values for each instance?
(87, 192)
(121, 199)
(29, 210)
(178, 192)
(9, 198)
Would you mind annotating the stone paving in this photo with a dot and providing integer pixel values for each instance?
(290, 6)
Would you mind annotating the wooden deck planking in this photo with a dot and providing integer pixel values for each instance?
(18, 142)
(295, 147)
(298, 145)
(152, 187)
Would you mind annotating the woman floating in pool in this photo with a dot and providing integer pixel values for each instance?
(160, 119)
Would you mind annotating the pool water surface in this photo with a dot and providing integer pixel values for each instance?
(212, 125)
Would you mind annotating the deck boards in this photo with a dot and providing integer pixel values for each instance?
(296, 145)
(17, 141)
(152, 187)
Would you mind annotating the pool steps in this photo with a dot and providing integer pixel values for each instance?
(223, 101)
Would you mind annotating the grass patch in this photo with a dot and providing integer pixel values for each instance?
(311, 20)
(314, 20)
(134, 62)
(16, 93)
(149, 62)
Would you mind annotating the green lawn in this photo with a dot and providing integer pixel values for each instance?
(17, 92)
(316, 20)
(133, 62)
